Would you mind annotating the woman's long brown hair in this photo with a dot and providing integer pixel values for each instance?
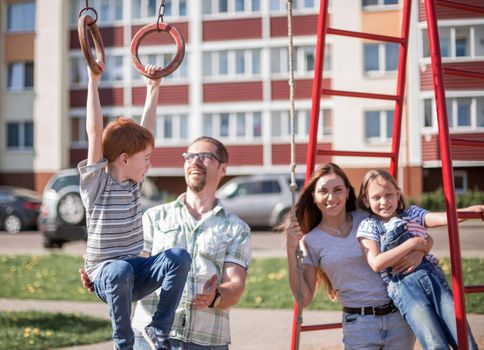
(309, 215)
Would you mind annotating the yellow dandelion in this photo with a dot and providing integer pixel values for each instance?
(49, 333)
(258, 300)
(36, 331)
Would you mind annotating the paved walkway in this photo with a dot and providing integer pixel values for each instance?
(252, 329)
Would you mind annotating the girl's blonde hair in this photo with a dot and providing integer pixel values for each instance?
(371, 176)
(309, 215)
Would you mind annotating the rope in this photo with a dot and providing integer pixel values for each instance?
(299, 254)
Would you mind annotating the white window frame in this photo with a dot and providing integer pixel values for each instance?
(21, 136)
(462, 174)
(179, 75)
(382, 56)
(146, 16)
(382, 138)
(380, 6)
(214, 57)
(21, 86)
(277, 7)
(213, 120)
(113, 74)
(23, 25)
(104, 18)
(177, 120)
(231, 8)
(300, 67)
(302, 121)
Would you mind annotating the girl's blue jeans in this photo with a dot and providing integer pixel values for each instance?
(121, 282)
(424, 299)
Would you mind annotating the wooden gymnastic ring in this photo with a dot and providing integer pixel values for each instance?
(173, 65)
(84, 24)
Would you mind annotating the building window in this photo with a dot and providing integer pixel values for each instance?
(378, 3)
(456, 41)
(281, 5)
(462, 113)
(281, 124)
(108, 10)
(162, 60)
(20, 76)
(232, 63)
(378, 126)
(213, 7)
(142, 9)
(21, 16)
(171, 128)
(113, 70)
(20, 136)
(78, 129)
(460, 181)
(380, 58)
(239, 126)
(304, 59)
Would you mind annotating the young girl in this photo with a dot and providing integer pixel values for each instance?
(392, 230)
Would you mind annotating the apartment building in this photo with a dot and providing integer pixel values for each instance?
(232, 85)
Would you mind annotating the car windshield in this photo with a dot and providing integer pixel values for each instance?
(64, 181)
(299, 184)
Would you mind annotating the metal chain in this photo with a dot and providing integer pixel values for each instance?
(299, 253)
(161, 13)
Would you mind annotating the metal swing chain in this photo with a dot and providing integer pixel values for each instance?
(161, 13)
(299, 253)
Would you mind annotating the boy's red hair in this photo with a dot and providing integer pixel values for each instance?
(124, 135)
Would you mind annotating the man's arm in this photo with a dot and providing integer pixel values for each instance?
(230, 290)
(94, 119)
(148, 120)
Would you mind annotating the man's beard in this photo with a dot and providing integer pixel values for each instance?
(196, 186)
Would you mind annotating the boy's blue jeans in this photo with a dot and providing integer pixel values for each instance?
(141, 344)
(121, 282)
(424, 299)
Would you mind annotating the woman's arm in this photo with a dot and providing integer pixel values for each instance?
(308, 286)
(379, 261)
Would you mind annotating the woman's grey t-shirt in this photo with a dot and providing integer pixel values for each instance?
(343, 261)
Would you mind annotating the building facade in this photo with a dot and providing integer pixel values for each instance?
(233, 85)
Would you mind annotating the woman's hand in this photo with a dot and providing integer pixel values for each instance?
(293, 236)
(409, 262)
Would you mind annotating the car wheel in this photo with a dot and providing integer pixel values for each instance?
(71, 209)
(12, 224)
(282, 216)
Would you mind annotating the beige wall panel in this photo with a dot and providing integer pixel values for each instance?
(17, 161)
(384, 22)
(19, 47)
(18, 106)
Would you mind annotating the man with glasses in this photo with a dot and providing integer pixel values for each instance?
(219, 243)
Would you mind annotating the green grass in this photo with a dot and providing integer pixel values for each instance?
(50, 277)
(268, 286)
(37, 330)
(56, 277)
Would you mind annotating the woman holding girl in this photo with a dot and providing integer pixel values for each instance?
(327, 222)
(392, 229)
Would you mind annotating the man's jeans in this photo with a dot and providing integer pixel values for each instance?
(424, 299)
(141, 344)
(121, 282)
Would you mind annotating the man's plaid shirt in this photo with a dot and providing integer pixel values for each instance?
(219, 237)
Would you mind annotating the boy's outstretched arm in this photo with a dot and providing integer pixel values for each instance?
(440, 218)
(148, 120)
(94, 119)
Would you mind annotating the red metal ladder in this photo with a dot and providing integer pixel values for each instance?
(312, 151)
(438, 72)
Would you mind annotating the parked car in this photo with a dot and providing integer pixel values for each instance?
(259, 200)
(62, 216)
(19, 209)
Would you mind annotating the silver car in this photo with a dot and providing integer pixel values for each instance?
(259, 200)
(62, 216)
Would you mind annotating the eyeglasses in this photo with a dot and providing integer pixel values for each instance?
(201, 155)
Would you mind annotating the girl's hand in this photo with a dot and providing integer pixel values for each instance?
(293, 236)
(151, 69)
(476, 208)
(409, 262)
